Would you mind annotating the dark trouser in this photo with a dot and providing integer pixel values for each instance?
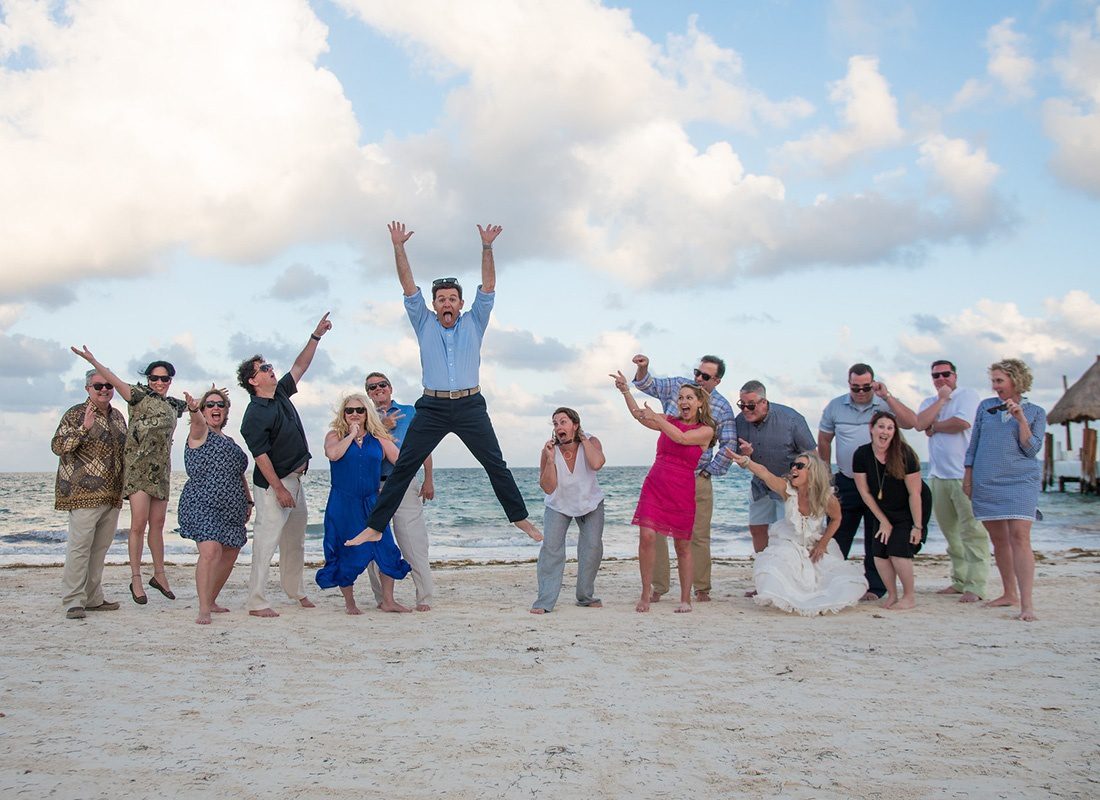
(852, 512)
(435, 418)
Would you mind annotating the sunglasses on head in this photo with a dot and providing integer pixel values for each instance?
(265, 368)
(101, 387)
(799, 465)
(444, 282)
(942, 374)
(380, 385)
(868, 388)
(214, 404)
(355, 410)
(749, 406)
(702, 375)
(159, 378)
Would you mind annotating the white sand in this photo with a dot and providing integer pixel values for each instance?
(478, 698)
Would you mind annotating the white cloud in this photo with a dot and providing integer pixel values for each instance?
(1073, 122)
(1008, 64)
(140, 128)
(972, 91)
(964, 172)
(869, 114)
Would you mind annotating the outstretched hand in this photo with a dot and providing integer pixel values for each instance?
(740, 459)
(620, 380)
(647, 414)
(324, 326)
(489, 233)
(398, 234)
(84, 353)
(192, 405)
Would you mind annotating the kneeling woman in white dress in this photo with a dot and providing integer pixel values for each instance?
(802, 568)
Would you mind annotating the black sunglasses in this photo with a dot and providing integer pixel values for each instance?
(380, 385)
(868, 388)
(749, 406)
(101, 387)
(354, 410)
(266, 368)
(942, 374)
(159, 378)
(444, 282)
(702, 375)
(799, 465)
(214, 404)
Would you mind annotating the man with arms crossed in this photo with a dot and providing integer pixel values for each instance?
(89, 443)
(408, 521)
(713, 462)
(847, 419)
(450, 356)
(273, 432)
(946, 418)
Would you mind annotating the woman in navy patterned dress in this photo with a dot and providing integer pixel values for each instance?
(215, 503)
(1003, 478)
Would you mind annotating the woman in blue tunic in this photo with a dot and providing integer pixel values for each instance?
(1003, 478)
(216, 502)
(355, 446)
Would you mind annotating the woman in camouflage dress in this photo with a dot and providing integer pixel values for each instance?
(147, 464)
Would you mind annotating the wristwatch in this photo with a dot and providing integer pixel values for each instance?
(703, 473)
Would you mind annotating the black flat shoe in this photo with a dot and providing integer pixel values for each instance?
(139, 600)
(156, 585)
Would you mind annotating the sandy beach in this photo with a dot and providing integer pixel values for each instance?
(480, 699)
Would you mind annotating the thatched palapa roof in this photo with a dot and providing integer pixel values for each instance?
(1081, 401)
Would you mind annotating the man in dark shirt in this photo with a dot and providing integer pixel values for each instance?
(273, 432)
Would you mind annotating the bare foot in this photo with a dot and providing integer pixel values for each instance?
(369, 535)
(751, 593)
(642, 606)
(305, 602)
(263, 612)
(526, 526)
(423, 607)
(1003, 600)
(219, 609)
(538, 610)
(395, 607)
(351, 609)
(904, 604)
(870, 597)
(655, 598)
(702, 597)
(1027, 616)
(683, 608)
(969, 597)
(888, 602)
(949, 590)
(203, 618)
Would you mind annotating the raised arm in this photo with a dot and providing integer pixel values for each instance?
(593, 453)
(488, 267)
(773, 482)
(631, 403)
(196, 437)
(398, 235)
(120, 385)
(305, 358)
(548, 468)
(905, 416)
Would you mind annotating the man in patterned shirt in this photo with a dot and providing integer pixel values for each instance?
(713, 462)
(89, 442)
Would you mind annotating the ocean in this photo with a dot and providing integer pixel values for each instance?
(465, 522)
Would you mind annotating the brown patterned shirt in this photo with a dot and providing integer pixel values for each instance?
(90, 470)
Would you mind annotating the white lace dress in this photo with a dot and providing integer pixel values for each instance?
(786, 578)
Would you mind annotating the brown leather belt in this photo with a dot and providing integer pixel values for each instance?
(452, 395)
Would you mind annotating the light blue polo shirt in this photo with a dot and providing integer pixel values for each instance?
(850, 424)
(450, 358)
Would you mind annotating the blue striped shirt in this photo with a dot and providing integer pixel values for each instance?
(667, 390)
(450, 357)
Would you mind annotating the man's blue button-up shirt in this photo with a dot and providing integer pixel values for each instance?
(450, 357)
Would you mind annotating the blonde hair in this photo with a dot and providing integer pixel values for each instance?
(1017, 371)
(819, 483)
(372, 421)
(704, 417)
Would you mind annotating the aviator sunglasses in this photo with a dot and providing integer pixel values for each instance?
(380, 385)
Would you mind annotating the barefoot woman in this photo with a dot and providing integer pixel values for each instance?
(667, 502)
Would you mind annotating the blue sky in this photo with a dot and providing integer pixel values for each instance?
(794, 186)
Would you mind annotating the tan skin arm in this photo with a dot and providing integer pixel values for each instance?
(398, 235)
(905, 416)
(305, 358)
(196, 436)
(593, 452)
(427, 489)
(548, 468)
(825, 446)
(488, 267)
(120, 385)
(263, 464)
(832, 511)
(913, 486)
(773, 482)
(885, 528)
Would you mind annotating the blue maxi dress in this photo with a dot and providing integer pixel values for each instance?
(1007, 476)
(355, 480)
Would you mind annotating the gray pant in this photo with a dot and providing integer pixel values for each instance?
(411, 534)
(551, 567)
(91, 531)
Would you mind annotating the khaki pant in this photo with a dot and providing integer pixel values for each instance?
(700, 543)
(282, 529)
(967, 540)
(411, 534)
(91, 531)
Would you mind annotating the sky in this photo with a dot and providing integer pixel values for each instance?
(793, 186)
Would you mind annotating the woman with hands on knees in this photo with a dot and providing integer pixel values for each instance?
(216, 502)
(567, 475)
(667, 502)
(887, 474)
(146, 464)
(1002, 478)
(802, 569)
(355, 446)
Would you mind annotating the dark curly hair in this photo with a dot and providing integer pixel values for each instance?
(246, 370)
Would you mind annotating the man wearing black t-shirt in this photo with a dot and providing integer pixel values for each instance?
(273, 432)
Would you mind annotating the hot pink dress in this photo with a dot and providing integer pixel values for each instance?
(667, 502)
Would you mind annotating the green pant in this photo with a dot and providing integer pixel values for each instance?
(967, 540)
